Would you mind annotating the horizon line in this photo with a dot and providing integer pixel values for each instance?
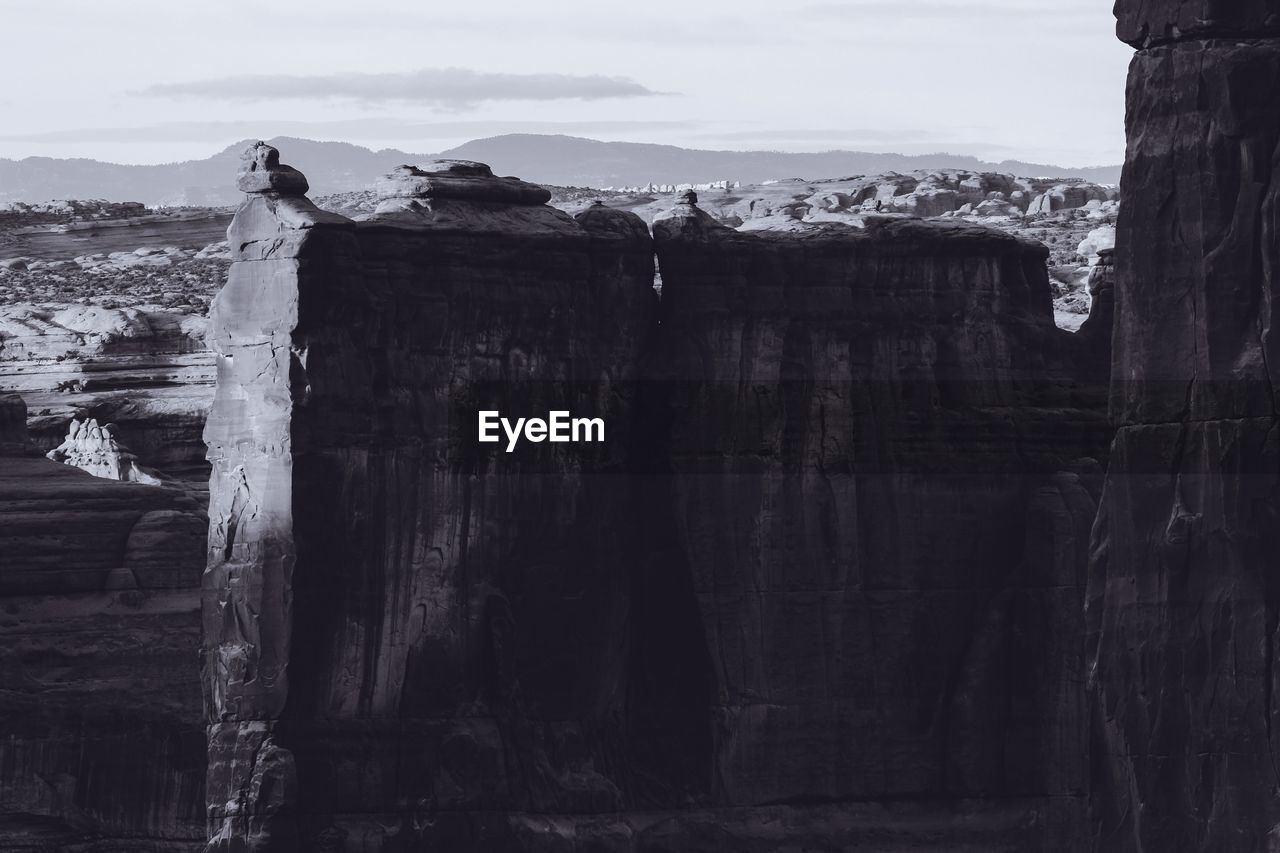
(827, 151)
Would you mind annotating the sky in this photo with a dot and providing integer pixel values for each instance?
(145, 81)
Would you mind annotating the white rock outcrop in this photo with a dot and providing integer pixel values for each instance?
(93, 448)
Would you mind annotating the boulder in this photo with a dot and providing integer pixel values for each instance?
(1100, 240)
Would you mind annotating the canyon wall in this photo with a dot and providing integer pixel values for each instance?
(820, 584)
(1183, 602)
(147, 370)
(876, 502)
(103, 748)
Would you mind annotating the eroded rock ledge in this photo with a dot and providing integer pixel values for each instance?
(838, 506)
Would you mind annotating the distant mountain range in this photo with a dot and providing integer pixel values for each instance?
(333, 167)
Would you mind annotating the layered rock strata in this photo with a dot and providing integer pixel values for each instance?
(64, 235)
(145, 369)
(1183, 604)
(836, 510)
(99, 632)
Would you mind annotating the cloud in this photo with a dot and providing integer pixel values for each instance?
(450, 88)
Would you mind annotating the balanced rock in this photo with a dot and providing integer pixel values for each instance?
(262, 172)
(458, 179)
(466, 196)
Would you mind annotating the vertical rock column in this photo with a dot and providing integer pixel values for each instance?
(282, 245)
(412, 637)
(1184, 592)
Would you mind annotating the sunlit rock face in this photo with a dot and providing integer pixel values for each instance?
(844, 495)
(93, 447)
(1182, 605)
(104, 747)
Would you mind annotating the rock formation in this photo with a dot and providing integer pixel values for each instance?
(927, 194)
(1183, 602)
(379, 584)
(95, 449)
(144, 368)
(865, 429)
(1074, 220)
(1098, 328)
(60, 230)
(1065, 196)
(102, 316)
(838, 504)
(103, 747)
(13, 425)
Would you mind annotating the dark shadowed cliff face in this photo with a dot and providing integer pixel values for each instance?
(828, 564)
(1183, 602)
(1148, 23)
(102, 747)
(866, 430)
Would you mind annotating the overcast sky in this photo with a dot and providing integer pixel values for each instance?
(145, 81)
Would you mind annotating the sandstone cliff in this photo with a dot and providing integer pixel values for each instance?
(1183, 603)
(103, 747)
(838, 505)
(884, 570)
(380, 585)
